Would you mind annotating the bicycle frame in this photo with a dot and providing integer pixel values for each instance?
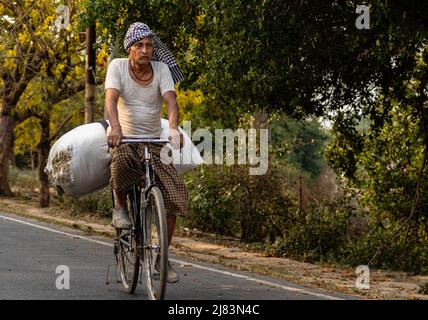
(149, 174)
(138, 198)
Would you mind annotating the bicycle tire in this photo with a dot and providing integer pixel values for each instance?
(128, 249)
(155, 245)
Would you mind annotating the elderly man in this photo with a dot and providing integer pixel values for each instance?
(136, 87)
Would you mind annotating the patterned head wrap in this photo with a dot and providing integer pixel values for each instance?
(138, 31)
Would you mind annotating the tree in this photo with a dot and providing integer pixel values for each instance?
(300, 143)
(300, 57)
(22, 60)
(56, 77)
(305, 57)
(393, 149)
(26, 136)
(61, 91)
(171, 20)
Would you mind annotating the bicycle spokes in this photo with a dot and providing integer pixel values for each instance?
(155, 245)
(128, 258)
(146, 243)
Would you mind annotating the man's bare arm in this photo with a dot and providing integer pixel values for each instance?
(172, 108)
(112, 98)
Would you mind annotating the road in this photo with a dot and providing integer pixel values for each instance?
(31, 252)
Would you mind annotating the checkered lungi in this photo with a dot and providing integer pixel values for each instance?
(127, 168)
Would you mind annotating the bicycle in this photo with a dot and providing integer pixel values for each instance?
(145, 244)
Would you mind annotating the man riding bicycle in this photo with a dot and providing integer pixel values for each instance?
(135, 88)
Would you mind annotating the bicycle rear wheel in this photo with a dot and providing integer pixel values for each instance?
(155, 246)
(127, 249)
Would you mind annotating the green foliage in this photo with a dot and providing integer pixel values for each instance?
(304, 57)
(318, 235)
(408, 250)
(27, 134)
(393, 161)
(171, 20)
(98, 203)
(386, 167)
(211, 206)
(301, 58)
(300, 143)
(386, 160)
(343, 152)
(226, 199)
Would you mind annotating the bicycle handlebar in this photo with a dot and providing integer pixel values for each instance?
(141, 139)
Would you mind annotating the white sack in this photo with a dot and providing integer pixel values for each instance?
(188, 157)
(79, 161)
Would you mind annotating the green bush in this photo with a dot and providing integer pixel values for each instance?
(403, 251)
(104, 204)
(211, 205)
(227, 200)
(98, 203)
(317, 235)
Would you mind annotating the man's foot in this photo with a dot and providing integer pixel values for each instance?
(121, 219)
(172, 276)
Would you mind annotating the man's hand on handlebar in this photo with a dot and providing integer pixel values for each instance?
(115, 137)
(176, 138)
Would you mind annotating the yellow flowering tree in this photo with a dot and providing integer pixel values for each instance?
(42, 64)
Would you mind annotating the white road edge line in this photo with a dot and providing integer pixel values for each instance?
(268, 283)
(57, 231)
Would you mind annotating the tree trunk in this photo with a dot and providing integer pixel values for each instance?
(12, 153)
(90, 83)
(7, 124)
(43, 152)
(32, 160)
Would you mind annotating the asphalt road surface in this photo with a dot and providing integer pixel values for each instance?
(36, 257)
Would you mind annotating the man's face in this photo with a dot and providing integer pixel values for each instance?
(141, 52)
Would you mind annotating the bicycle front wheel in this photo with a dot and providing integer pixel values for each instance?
(155, 246)
(127, 249)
